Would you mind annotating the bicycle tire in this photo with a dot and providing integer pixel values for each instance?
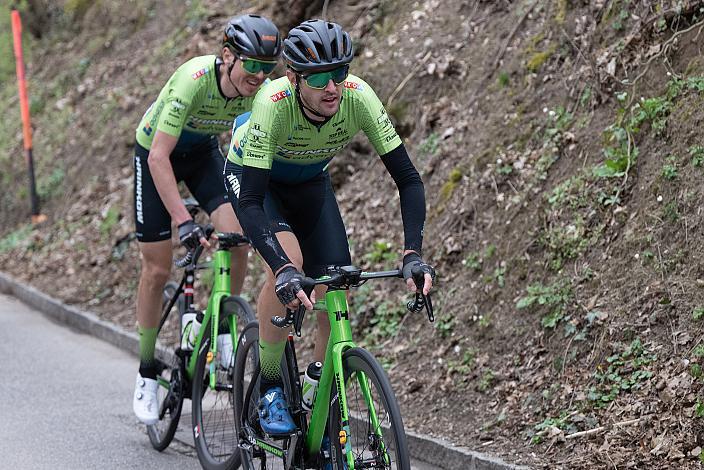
(213, 411)
(169, 290)
(367, 445)
(246, 390)
(170, 398)
(246, 398)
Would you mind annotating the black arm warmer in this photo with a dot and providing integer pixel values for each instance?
(255, 222)
(412, 193)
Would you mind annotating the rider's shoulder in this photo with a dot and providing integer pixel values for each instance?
(355, 87)
(276, 92)
(196, 70)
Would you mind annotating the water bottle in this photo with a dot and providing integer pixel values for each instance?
(310, 384)
(190, 327)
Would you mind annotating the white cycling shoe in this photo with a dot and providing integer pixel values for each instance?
(145, 404)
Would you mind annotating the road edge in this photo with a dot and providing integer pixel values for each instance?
(444, 454)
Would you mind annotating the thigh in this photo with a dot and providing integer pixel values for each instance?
(203, 176)
(312, 210)
(152, 220)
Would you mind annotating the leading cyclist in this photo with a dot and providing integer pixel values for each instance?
(279, 156)
(177, 141)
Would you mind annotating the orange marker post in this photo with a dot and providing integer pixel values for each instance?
(24, 107)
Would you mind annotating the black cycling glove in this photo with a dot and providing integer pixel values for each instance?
(414, 267)
(190, 233)
(288, 284)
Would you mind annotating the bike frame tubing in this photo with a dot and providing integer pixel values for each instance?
(221, 289)
(339, 342)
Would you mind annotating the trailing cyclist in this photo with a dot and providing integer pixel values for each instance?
(279, 186)
(176, 140)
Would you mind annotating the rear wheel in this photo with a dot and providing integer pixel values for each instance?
(376, 437)
(213, 409)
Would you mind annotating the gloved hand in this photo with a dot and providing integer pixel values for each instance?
(191, 234)
(418, 275)
(288, 285)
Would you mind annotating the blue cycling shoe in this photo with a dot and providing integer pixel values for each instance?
(274, 417)
(327, 456)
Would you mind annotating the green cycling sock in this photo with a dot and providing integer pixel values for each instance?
(147, 344)
(270, 362)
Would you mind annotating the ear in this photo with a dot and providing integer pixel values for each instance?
(292, 77)
(227, 55)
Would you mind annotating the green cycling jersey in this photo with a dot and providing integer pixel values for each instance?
(191, 106)
(277, 136)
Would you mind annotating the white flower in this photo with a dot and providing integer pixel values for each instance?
(659, 198)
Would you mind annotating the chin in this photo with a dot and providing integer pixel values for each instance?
(329, 112)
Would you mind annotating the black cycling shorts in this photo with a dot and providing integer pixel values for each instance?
(309, 210)
(200, 169)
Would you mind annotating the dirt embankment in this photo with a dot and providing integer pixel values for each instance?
(561, 150)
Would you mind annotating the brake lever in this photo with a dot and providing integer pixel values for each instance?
(422, 301)
(283, 322)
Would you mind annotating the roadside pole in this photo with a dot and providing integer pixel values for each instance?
(26, 123)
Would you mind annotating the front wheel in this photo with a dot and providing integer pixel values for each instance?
(213, 409)
(375, 438)
(170, 395)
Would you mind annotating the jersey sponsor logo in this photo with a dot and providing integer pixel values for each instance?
(199, 74)
(157, 112)
(147, 129)
(257, 131)
(177, 105)
(198, 122)
(280, 95)
(299, 153)
(389, 138)
(354, 86)
(339, 132)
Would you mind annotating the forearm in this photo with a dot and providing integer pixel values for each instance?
(412, 194)
(255, 221)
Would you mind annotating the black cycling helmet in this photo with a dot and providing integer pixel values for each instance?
(252, 36)
(317, 44)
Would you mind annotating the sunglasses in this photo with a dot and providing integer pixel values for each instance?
(254, 66)
(321, 79)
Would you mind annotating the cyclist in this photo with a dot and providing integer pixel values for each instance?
(278, 184)
(176, 140)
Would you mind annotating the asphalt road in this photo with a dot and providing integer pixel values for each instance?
(65, 401)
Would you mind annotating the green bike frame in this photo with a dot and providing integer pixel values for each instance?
(220, 291)
(340, 341)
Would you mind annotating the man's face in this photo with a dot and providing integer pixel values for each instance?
(246, 82)
(325, 101)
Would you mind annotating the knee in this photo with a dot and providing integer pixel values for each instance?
(155, 274)
(240, 252)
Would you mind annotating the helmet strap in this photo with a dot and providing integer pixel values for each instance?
(229, 77)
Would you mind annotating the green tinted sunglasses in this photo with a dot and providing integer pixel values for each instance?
(254, 66)
(320, 80)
